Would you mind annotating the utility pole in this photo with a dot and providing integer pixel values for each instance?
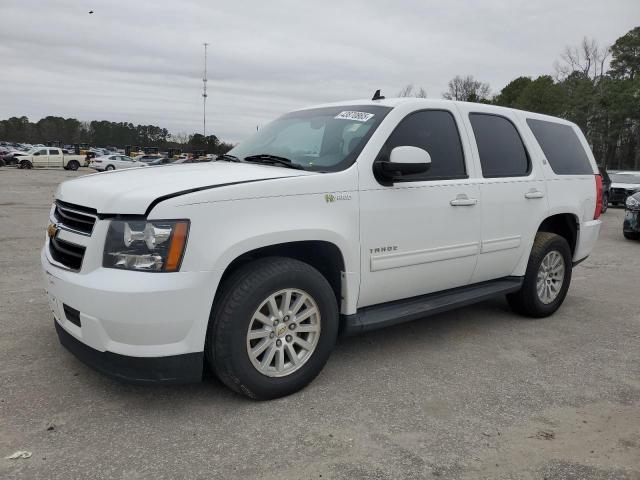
(204, 93)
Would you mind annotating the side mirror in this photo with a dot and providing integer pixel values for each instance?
(402, 161)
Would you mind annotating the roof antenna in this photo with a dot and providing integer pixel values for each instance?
(377, 96)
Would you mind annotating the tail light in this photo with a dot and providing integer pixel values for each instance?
(598, 210)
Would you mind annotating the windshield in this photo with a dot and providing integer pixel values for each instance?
(625, 177)
(321, 139)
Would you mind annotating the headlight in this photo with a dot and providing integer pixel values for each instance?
(632, 202)
(149, 246)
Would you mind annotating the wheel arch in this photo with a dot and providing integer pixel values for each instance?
(323, 255)
(566, 225)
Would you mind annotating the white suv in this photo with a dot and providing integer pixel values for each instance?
(337, 218)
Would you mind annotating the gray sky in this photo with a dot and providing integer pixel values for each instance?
(141, 60)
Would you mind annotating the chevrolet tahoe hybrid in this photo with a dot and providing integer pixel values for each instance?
(338, 218)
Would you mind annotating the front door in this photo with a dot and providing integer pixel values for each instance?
(41, 158)
(420, 235)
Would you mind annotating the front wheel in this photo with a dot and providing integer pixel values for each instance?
(26, 165)
(273, 329)
(547, 278)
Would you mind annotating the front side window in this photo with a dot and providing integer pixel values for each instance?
(322, 139)
(502, 153)
(42, 152)
(436, 132)
(561, 146)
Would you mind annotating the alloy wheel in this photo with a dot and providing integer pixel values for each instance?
(550, 277)
(283, 332)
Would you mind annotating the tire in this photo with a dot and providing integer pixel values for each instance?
(243, 296)
(73, 165)
(528, 301)
(631, 235)
(110, 167)
(605, 202)
(26, 165)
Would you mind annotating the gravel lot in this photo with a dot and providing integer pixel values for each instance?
(474, 393)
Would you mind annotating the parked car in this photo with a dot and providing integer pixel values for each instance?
(114, 162)
(160, 161)
(344, 217)
(631, 224)
(606, 187)
(50, 157)
(147, 158)
(13, 157)
(624, 184)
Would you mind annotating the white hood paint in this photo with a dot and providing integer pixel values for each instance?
(131, 191)
(626, 186)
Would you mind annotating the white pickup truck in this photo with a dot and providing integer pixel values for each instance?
(51, 157)
(337, 218)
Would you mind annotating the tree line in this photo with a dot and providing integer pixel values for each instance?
(598, 88)
(104, 133)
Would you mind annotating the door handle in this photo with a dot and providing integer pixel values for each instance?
(463, 201)
(531, 194)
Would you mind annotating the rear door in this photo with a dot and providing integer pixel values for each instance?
(55, 157)
(512, 190)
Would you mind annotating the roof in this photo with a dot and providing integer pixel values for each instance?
(439, 103)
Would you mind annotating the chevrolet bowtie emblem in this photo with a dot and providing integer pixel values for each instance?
(52, 229)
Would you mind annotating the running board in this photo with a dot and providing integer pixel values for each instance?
(400, 311)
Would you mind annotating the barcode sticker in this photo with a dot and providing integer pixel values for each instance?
(357, 116)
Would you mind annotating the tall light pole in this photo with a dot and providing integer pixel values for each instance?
(204, 94)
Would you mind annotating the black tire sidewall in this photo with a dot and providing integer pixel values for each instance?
(249, 380)
(559, 244)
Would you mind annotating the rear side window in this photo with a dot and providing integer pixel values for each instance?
(562, 147)
(53, 152)
(436, 132)
(502, 153)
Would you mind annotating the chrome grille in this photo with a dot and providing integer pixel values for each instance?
(74, 217)
(67, 254)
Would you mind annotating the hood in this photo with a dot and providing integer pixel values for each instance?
(132, 191)
(626, 186)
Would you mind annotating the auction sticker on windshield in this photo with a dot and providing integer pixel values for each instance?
(357, 116)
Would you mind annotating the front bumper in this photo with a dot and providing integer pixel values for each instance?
(136, 326)
(631, 221)
(173, 369)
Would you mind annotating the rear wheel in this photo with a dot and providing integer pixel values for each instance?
(547, 278)
(273, 328)
(110, 167)
(26, 164)
(605, 202)
(73, 165)
(631, 235)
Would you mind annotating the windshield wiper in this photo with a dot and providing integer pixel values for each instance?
(228, 158)
(267, 159)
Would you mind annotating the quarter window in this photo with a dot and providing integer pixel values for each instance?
(561, 146)
(502, 153)
(436, 132)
